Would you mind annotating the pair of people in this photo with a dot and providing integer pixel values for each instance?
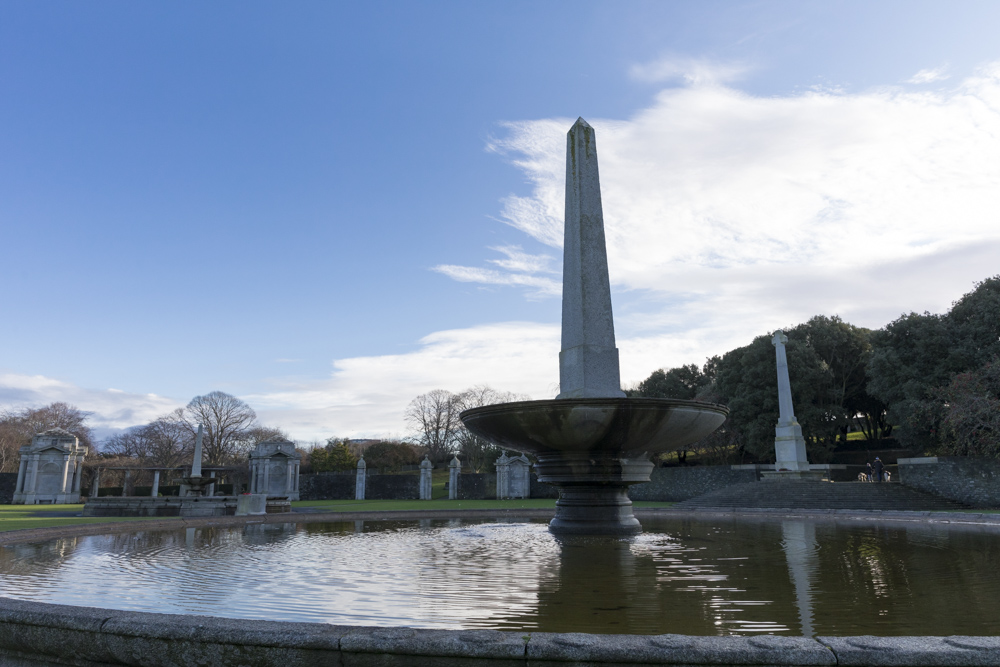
(877, 472)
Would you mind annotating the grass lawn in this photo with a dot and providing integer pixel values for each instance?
(17, 517)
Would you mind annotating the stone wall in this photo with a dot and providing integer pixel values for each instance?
(327, 486)
(971, 481)
(8, 481)
(34, 634)
(677, 484)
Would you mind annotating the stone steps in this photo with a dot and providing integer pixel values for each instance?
(820, 495)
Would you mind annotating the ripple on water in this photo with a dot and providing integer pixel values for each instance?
(681, 576)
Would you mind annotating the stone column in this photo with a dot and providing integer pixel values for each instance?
(588, 360)
(33, 482)
(78, 477)
(359, 484)
(253, 476)
(266, 480)
(789, 445)
(95, 484)
(156, 484)
(125, 481)
(298, 465)
(289, 472)
(22, 470)
(454, 470)
(426, 487)
(211, 487)
(65, 475)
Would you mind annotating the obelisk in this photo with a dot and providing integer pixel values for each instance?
(588, 361)
(789, 445)
(196, 463)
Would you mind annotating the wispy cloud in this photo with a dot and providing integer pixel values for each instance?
(929, 76)
(112, 408)
(692, 71)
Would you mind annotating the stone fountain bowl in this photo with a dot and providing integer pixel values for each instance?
(592, 449)
(601, 427)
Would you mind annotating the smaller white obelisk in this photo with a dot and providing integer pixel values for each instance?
(789, 445)
(196, 461)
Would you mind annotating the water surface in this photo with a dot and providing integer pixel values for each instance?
(700, 577)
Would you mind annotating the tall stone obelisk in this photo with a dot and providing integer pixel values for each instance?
(588, 361)
(789, 445)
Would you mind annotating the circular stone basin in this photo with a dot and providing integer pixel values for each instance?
(591, 449)
(694, 577)
(602, 427)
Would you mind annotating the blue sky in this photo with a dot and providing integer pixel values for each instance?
(328, 208)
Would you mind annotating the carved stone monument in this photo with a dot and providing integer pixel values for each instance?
(513, 476)
(789, 445)
(51, 469)
(274, 469)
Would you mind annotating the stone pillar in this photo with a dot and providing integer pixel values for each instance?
(33, 481)
(426, 488)
(65, 475)
(156, 484)
(211, 487)
(253, 476)
(289, 472)
(95, 484)
(298, 465)
(454, 470)
(125, 481)
(22, 471)
(588, 359)
(359, 484)
(266, 477)
(789, 445)
(78, 478)
(503, 468)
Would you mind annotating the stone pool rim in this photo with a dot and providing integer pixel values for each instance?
(38, 633)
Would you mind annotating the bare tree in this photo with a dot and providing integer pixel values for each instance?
(226, 420)
(17, 429)
(473, 450)
(434, 419)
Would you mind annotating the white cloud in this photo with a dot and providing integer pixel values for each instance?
(112, 408)
(929, 76)
(367, 395)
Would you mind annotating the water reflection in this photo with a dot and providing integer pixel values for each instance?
(682, 576)
(799, 544)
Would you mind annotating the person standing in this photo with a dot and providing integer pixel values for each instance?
(868, 474)
(878, 469)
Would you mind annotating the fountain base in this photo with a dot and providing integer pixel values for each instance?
(594, 510)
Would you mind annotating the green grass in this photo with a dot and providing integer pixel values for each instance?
(19, 517)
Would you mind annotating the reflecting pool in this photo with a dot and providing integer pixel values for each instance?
(700, 577)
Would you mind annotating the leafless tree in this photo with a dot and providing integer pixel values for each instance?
(227, 420)
(17, 428)
(479, 453)
(434, 419)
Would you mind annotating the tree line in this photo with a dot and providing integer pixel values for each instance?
(232, 430)
(931, 381)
